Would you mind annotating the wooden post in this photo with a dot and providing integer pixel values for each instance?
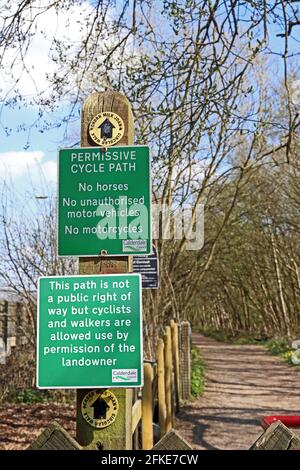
(136, 417)
(147, 408)
(175, 355)
(161, 387)
(172, 441)
(277, 437)
(118, 435)
(54, 437)
(185, 361)
(168, 379)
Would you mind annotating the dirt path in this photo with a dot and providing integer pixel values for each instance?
(243, 383)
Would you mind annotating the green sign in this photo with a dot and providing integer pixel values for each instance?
(104, 201)
(89, 331)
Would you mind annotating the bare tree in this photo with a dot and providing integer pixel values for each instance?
(28, 250)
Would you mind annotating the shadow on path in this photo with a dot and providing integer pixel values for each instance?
(242, 384)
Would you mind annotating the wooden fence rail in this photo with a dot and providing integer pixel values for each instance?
(164, 379)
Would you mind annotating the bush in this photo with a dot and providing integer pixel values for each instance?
(281, 347)
(25, 395)
(197, 378)
(277, 346)
(34, 395)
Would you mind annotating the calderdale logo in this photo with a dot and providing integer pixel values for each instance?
(124, 375)
(134, 245)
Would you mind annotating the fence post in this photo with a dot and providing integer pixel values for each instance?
(185, 361)
(147, 408)
(168, 379)
(118, 434)
(175, 354)
(135, 435)
(161, 387)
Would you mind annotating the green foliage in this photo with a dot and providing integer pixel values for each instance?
(197, 379)
(33, 395)
(281, 347)
(287, 356)
(277, 346)
(26, 395)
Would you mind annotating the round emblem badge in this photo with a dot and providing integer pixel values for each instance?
(106, 128)
(100, 408)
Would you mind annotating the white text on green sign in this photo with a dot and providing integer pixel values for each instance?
(104, 201)
(89, 331)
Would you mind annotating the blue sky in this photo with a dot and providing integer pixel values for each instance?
(25, 165)
(22, 164)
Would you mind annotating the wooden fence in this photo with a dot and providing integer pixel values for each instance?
(167, 381)
(12, 323)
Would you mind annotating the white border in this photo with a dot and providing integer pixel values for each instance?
(139, 385)
(150, 202)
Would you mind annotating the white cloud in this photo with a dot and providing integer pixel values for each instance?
(15, 164)
(29, 165)
(49, 170)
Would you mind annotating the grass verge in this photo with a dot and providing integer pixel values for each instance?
(197, 378)
(282, 348)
